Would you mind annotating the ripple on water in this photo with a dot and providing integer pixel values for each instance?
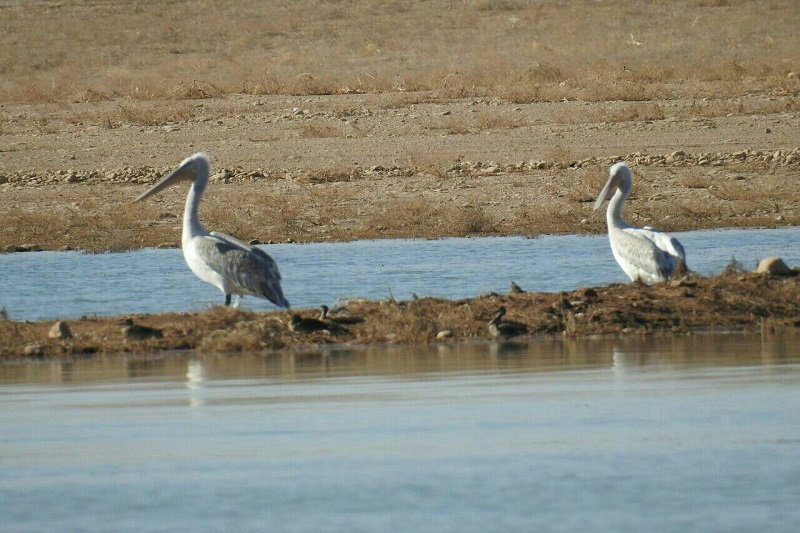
(50, 285)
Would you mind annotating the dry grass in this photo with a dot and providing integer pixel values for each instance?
(314, 129)
(733, 300)
(482, 121)
(518, 50)
(694, 181)
(588, 184)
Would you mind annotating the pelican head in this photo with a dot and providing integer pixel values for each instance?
(619, 178)
(190, 169)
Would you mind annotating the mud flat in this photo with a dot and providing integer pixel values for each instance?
(733, 301)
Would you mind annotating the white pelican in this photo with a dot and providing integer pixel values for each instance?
(232, 265)
(645, 254)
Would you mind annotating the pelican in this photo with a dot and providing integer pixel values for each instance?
(505, 328)
(644, 254)
(224, 261)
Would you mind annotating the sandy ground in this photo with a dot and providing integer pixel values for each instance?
(345, 167)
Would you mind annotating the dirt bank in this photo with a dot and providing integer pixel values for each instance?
(431, 169)
(732, 301)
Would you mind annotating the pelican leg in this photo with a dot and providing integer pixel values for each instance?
(227, 299)
(238, 300)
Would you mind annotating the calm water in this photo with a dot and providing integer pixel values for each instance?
(50, 285)
(697, 433)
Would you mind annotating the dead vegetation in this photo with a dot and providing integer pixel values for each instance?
(732, 301)
(433, 197)
(520, 51)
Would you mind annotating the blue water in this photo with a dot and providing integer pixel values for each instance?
(51, 285)
(698, 433)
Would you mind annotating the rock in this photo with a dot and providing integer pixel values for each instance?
(223, 175)
(33, 349)
(773, 266)
(444, 334)
(254, 242)
(677, 155)
(29, 248)
(60, 330)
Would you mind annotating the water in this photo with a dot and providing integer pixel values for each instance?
(672, 435)
(52, 285)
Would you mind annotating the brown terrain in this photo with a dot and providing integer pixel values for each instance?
(362, 119)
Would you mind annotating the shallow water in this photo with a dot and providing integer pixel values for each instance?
(698, 433)
(50, 285)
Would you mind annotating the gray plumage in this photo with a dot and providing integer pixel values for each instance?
(644, 254)
(224, 261)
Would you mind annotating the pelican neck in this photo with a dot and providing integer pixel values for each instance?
(191, 219)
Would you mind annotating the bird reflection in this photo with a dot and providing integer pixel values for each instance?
(195, 379)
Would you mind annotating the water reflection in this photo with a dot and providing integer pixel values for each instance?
(195, 382)
(617, 354)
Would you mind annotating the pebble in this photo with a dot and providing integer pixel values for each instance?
(60, 330)
(773, 266)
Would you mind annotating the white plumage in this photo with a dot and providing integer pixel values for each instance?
(645, 254)
(224, 261)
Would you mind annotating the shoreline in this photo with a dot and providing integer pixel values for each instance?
(733, 301)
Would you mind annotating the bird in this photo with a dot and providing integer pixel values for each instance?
(298, 324)
(645, 254)
(343, 317)
(138, 332)
(505, 328)
(224, 261)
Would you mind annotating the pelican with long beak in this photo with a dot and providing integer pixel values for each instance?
(644, 254)
(224, 261)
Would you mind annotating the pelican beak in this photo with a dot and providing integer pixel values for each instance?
(188, 170)
(611, 184)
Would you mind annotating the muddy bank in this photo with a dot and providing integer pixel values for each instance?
(731, 301)
(92, 210)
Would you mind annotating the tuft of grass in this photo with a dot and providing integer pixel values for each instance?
(469, 221)
(734, 267)
(313, 129)
(694, 181)
(331, 175)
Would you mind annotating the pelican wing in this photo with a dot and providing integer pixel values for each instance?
(247, 248)
(643, 254)
(247, 266)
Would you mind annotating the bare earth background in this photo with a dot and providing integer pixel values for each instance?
(354, 119)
